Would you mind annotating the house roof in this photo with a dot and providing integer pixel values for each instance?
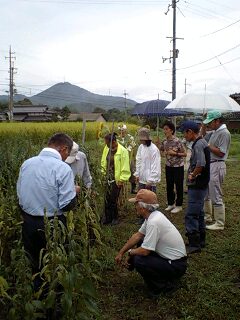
(88, 116)
(232, 116)
(37, 118)
(19, 117)
(3, 116)
(29, 109)
(30, 106)
(74, 117)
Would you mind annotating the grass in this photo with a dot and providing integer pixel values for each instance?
(208, 289)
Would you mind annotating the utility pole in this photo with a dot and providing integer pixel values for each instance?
(125, 103)
(175, 52)
(185, 85)
(11, 82)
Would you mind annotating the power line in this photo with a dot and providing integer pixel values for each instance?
(208, 34)
(227, 72)
(84, 2)
(214, 67)
(217, 3)
(207, 60)
(202, 10)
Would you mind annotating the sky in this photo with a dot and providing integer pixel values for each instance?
(114, 46)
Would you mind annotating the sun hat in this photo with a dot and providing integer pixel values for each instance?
(72, 157)
(144, 134)
(146, 196)
(188, 125)
(212, 115)
(123, 127)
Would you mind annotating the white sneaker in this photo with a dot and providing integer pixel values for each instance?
(215, 226)
(176, 209)
(169, 208)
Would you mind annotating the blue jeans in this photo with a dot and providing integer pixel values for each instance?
(194, 217)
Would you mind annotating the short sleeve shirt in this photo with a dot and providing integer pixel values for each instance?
(221, 139)
(161, 236)
(200, 158)
(176, 145)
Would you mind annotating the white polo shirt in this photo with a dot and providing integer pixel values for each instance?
(161, 236)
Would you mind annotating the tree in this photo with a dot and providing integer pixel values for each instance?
(99, 110)
(3, 106)
(65, 113)
(25, 102)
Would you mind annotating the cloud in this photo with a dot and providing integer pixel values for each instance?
(114, 48)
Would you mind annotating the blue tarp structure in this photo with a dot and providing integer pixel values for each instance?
(155, 108)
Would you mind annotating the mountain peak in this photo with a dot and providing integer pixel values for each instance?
(79, 99)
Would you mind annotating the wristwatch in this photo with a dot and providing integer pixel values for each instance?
(129, 252)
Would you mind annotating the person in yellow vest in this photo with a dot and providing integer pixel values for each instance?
(115, 166)
(128, 141)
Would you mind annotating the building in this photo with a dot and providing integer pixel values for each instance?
(233, 119)
(32, 113)
(87, 116)
(3, 117)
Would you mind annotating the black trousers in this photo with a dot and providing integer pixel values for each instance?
(174, 176)
(111, 202)
(159, 274)
(33, 235)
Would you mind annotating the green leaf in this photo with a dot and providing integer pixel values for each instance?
(50, 300)
(91, 305)
(88, 288)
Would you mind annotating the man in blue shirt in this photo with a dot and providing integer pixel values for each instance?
(197, 181)
(45, 186)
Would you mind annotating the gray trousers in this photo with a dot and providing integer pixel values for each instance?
(217, 174)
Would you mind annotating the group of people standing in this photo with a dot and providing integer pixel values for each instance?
(157, 251)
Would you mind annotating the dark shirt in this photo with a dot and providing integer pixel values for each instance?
(200, 158)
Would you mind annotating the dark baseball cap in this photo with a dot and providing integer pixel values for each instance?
(189, 125)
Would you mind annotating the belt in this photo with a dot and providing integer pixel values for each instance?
(212, 161)
(27, 217)
(177, 260)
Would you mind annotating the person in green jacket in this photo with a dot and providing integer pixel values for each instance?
(115, 166)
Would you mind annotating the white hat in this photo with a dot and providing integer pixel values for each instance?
(144, 134)
(123, 127)
(72, 157)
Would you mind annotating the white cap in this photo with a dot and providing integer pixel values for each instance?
(123, 127)
(72, 157)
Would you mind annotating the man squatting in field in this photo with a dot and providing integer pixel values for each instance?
(157, 250)
(45, 185)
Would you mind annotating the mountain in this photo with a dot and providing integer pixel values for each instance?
(17, 97)
(76, 98)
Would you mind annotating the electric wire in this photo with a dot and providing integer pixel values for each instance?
(207, 60)
(119, 2)
(208, 34)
